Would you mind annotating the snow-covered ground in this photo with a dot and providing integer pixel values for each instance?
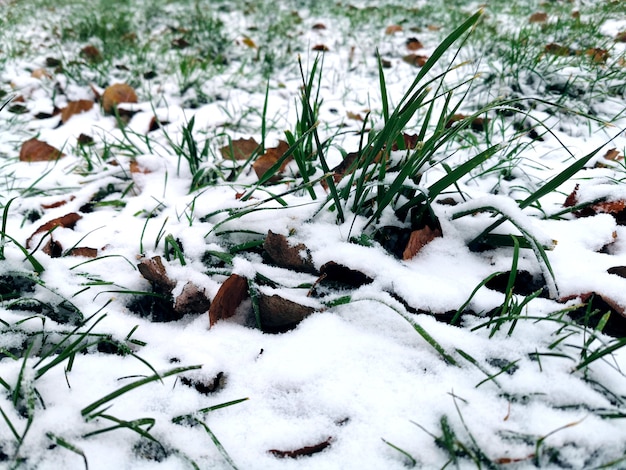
(361, 382)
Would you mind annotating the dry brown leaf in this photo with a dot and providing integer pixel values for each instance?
(433, 27)
(91, 54)
(116, 94)
(153, 270)
(75, 107)
(56, 204)
(84, 251)
(34, 150)
(538, 17)
(613, 155)
(338, 273)
(621, 36)
(66, 221)
(279, 314)
(416, 60)
(249, 42)
(203, 386)
(418, 240)
(40, 73)
(303, 451)
(354, 116)
(319, 26)
(271, 156)
(392, 29)
(599, 56)
(135, 168)
(320, 48)
(192, 299)
(413, 44)
(285, 255)
(572, 199)
(233, 291)
(240, 149)
(558, 50)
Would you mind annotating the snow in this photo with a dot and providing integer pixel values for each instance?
(357, 374)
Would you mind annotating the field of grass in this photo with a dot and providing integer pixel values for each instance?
(312, 234)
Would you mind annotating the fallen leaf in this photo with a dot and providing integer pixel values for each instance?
(116, 94)
(620, 37)
(413, 44)
(599, 56)
(66, 221)
(192, 299)
(249, 42)
(239, 149)
(75, 107)
(433, 27)
(84, 139)
(320, 48)
(416, 60)
(34, 150)
(410, 141)
(283, 254)
(600, 304)
(232, 292)
(53, 248)
(180, 43)
(91, 54)
(135, 168)
(418, 240)
(338, 273)
(392, 29)
(40, 73)
(538, 17)
(56, 204)
(205, 387)
(279, 315)
(153, 270)
(354, 116)
(525, 283)
(303, 451)
(319, 26)
(558, 50)
(271, 156)
(83, 251)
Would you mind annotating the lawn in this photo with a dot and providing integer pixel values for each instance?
(312, 234)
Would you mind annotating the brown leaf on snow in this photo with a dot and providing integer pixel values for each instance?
(410, 141)
(279, 315)
(477, 124)
(66, 221)
(418, 240)
(240, 149)
(271, 156)
(621, 36)
(192, 300)
(600, 303)
(232, 292)
(84, 251)
(318, 26)
(392, 29)
(354, 116)
(303, 451)
(56, 204)
(135, 167)
(247, 41)
(34, 150)
(572, 199)
(91, 54)
(153, 270)
(320, 48)
(558, 50)
(205, 387)
(116, 94)
(338, 273)
(413, 44)
(40, 74)
(538, 17)
(416, 60)
(599, 56)
(285, 255)
(75, 107)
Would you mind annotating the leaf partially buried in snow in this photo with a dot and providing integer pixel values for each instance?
(266, 161)
(153, 270)
(34, 150)
(66, 221)
(303, 451)
(75, 107)
(592, 313)
(415, 59)
(285, 255)
(279, 314)
(233, 291)
(418, 240)
(116, 94)
(192, 299)
(239, 149)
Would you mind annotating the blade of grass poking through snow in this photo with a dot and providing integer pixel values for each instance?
(547, 188)
(3, 230)
(217, 443)
(412, 461)
(57, 440)
(383, 87)
(89, 412)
